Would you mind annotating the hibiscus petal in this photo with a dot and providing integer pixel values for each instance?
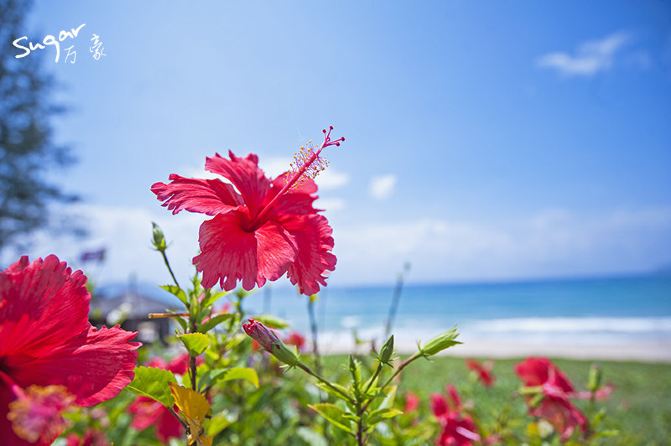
(209, 197)
(245, 175)
(230, 253)
(313, 238)
(41, 304)
(298, 199)
(94, 366)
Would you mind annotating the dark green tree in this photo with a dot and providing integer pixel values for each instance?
(27, 148)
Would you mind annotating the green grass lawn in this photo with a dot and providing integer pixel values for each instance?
(640, 406)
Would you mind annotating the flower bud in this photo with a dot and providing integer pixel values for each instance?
(158, 238)
(594, 380)
(270, 342)
(440, 343)
(387, 350)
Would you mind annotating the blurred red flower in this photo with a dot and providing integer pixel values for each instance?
(484, 371)
(262, 228)
(556, 406)
(90, 438)
(46, 341)
(603, 393)
(296, 339)
(538, 371)
(458, 429)
(148, 412)
(411, 402)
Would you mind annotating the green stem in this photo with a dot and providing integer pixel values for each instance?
(324, 381)
(314, 331)
(377, 372)
(398, 370)
(167, 264)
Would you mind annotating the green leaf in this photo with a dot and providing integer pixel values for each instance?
(334, 415)
(311, 437)
(177, 292)
(213, 322)
(440, 343)
(154, 383)
(216, 425)
(195, 343)
(332, 392)
(271, 321)
(213, 297)
(383, 414)
(244, 373)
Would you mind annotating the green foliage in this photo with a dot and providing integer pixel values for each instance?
(195, 343)
(153, 383)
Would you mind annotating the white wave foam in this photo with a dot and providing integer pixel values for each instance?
(573, 325)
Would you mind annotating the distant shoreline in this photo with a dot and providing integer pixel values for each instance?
(650, 352)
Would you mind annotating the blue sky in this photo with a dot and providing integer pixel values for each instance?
(485, 140)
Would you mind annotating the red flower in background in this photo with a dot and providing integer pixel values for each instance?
(90, 438)
(458, 429)
(540, 371)
(484, 371)
(262, 228)
(411, 402)
(296, 339)
(148, 412)
(48, 348)
(556, 406)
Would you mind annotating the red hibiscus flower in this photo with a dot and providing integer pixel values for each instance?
(458, 429)
(483, 371)
(557, 409)
(296, 339)
(148, 412)
(50, 353)
(539, 371)
(262, 228)
(556, 406)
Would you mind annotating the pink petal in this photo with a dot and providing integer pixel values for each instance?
(313, 238)
(245, 175)
(209, 197)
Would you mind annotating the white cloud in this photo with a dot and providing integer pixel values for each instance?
(549, 243)
(332, 179)
(590, 58)
(382, 187)
(330, 204)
